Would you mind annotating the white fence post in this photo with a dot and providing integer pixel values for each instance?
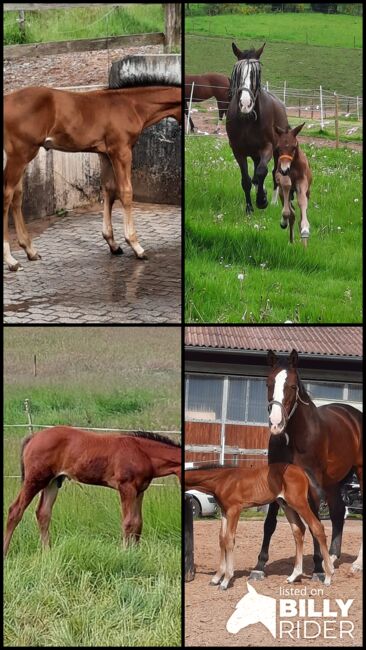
(267, 85)
(28, 412)
(321, 109)
(284, 92)
(190, 107)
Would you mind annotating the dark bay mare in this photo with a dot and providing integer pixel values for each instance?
(107, 122)
(237, 488)
(207, 85)
(326, 441)
(126, 463)
(251, 118)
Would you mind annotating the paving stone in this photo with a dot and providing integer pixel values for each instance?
(78, 280)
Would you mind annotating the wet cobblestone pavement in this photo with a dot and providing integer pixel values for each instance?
(79, 281)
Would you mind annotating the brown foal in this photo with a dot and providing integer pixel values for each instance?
(292, 174)
(236, 488)
(126, 463)
(106, 121)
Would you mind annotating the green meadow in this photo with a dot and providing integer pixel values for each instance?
(89, 590)
(242, 268)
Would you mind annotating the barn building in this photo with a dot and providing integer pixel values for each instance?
(225, 383)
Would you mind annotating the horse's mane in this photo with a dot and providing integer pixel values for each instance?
(235, 80)
(132, 74)
(155, 436)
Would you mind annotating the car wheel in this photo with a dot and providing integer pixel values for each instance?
(196, 508)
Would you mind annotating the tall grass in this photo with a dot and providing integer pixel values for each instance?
(319, 284)
(89, 590)
(92, 22)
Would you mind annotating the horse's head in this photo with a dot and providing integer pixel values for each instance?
(287, 146)
(284, 387)
(245, 79)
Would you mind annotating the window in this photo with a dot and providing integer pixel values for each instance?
(204, 397)
(355, 392)
(326, 390)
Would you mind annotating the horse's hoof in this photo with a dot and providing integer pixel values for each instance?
(14, 267)
(256, 575)
(249, 209)
(34, 257)
(262, 206)
(283, 225)
(118, 251)
(141, 256)
(318, 577)
(223, 587)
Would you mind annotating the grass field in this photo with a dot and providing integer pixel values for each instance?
(92, 22)
(303, 28)
(88, 590)
(336, 69)
(319, 284)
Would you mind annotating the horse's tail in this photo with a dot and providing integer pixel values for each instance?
(24, 444)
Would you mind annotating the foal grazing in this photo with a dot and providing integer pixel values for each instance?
(126, 463)
(292, 174)
(250, 122)
(106, 121)
(236, 488)
(210, 84)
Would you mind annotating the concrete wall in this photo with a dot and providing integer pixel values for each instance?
(62, 181)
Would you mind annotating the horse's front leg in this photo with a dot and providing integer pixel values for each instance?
(302, 199)
(337, 509)
(298, 531)
(109, 190)
(288, 215)
(261, 173)
(122, 169)
(222, 540)
(233, 515)
(131, 502)
(246, 182)
(269, 528)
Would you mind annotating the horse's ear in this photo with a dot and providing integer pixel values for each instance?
(272, 359)
(259, 52)
(293, 359)
(279, 130)
(297, 129)
(236, 50)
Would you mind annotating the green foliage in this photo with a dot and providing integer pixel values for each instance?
(320, 283)
(92, 22)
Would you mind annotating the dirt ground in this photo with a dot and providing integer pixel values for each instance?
(207, 123)
(207, 608)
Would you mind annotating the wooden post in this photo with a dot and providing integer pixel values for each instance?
(173, 26)
(312, 107)
(336, 121)
(21, 22)
(357, 108)
(35, 365)
(28, 412)
(299, 107)
(188, 540)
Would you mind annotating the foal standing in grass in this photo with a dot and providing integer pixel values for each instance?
(293, 174)
(126, 463)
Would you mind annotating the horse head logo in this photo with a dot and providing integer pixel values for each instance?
(253, 608)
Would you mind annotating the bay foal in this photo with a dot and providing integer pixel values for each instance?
(292, 174)
(126, 463)
(107, 121)
(237, 488)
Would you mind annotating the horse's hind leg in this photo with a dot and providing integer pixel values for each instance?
(131, 508)
(17, 508)
(44, 510)
(269, 528)
(222, 567)
(23, 236)
(109, 196)
(357, 564)
(337, 509)
(298, 531)
(12, 176)
(122, 169)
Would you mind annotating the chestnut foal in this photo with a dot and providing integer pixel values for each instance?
(237, 488)
(107, 121)
(292, 174)
(126, 463)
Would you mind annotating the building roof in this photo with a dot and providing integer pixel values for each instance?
(337, 341)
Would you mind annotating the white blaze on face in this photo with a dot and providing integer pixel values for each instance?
(275, 415)
(245, 101)
(285, 164)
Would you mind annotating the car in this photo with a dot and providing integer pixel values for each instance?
(203, 505)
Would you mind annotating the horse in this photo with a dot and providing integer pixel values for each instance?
(238, 488)
(106, 121)
(207, 85)
(293, 174)
(252, 115)
(326, 441)
(126, 463)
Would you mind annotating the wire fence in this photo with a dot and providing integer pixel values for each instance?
(323, 110)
